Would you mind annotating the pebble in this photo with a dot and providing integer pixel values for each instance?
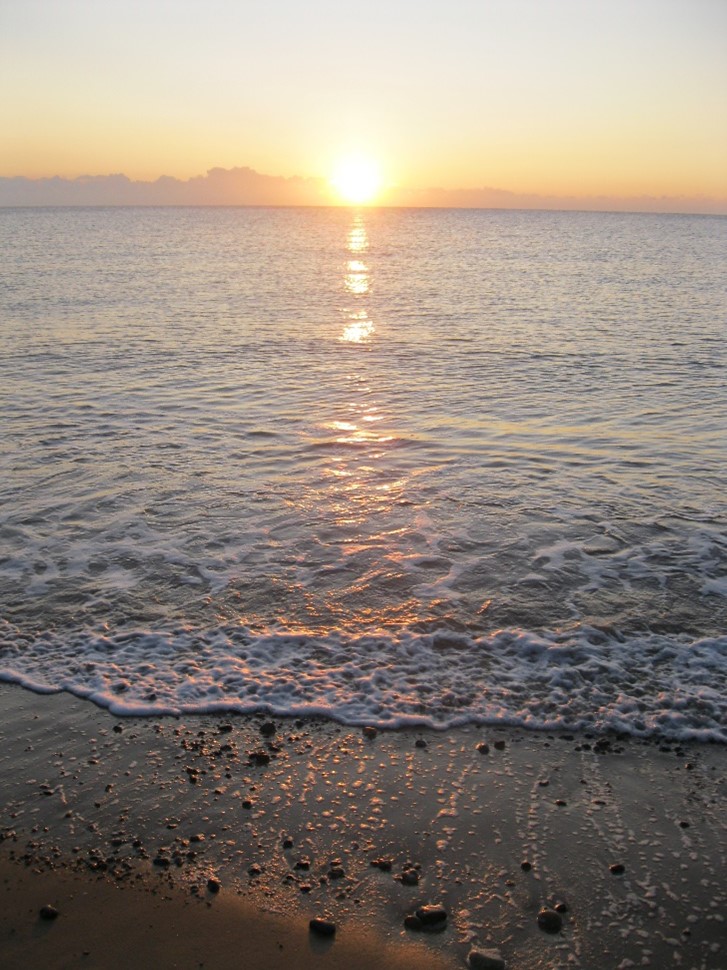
(420, 743)
(48, 912)
(322, 927)
(370, 732)
(213, 885)
(432, 916)
(483, 747)
(526, 866)
(410, 877)
(617, 868)
(267, 729)
(259, 757)
(549, 921)
(500, 745)
(485, 960)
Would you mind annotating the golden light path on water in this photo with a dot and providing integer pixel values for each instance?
(361, 490)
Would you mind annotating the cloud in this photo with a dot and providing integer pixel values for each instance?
(235, 186)
(245, 186)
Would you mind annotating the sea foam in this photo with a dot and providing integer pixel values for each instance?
(582, 679)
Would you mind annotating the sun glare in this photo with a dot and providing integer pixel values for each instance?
(356, 180)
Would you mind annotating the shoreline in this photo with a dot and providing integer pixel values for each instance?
(296, 818)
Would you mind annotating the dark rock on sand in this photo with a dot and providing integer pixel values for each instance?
(213, 885)
(420, 743)
(409, 877)
(370, 732)
(48, 912)
(268, 729)
(412, 922)
(481, 960)
(561, 907)
(432, 916)
(500, 745)
(549, 921)
(617, 868)
(383, 864)
(259, 757)
(322, 927)
(526, 866)
(483, 747)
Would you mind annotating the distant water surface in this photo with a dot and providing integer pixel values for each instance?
(394, 466)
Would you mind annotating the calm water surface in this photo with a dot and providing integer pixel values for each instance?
(392, 466)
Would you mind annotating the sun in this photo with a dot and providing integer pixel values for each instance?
(356, 180)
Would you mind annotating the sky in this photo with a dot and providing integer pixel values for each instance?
(552, 97)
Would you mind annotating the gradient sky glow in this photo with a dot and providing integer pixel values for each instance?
(614, 97)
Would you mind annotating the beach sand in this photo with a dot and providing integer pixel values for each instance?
(211, 841)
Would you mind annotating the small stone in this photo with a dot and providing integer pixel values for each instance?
(287, 842)
(410, 877)
(303, 864)
(526, 866)
(549, 921)
(48, 912)
(420, 743)
(117, 729)
(561, 802)
(412, 922)
(254, 869)
(268, 729)
(483, 747)
(259, 757)
(247, 804)
(370, 732)
(500, 745)
(213, 885)
(322, 927)
(336, 872)
(432, 915)
(485, 960)
(617, 868)
(561, 907)
(383, 864)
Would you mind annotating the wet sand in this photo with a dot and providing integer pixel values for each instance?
(212, 841)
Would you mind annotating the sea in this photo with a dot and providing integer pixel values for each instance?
(388, 466)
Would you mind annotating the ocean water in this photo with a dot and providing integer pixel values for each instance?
(391, 466)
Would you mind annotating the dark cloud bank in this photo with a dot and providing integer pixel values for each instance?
(244, 186)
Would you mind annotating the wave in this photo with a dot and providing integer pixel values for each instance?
(579, 679)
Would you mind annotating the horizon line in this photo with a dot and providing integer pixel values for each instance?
(243, 186)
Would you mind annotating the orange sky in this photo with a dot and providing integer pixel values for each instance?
(553, 97)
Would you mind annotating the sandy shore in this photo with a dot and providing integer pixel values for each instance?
(212, 841)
